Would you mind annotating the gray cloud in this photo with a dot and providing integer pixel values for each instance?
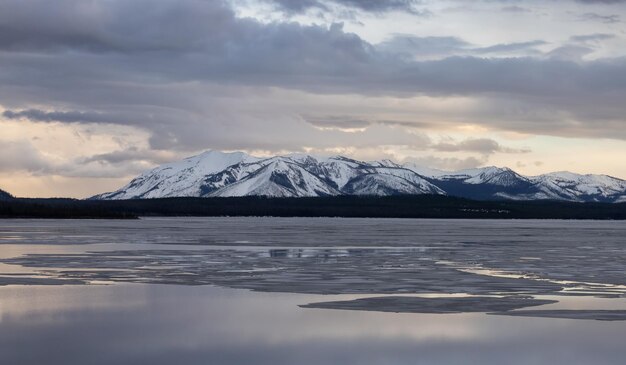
(602, 18)
(116, 26)
(484, 146)
(409, 45)
(183, 70)
(58, 116)
(338, 122)
(570, 52)
(448, 163)
(602, 1)
(515, 9)
(130, 154)
(298, 6)
(509, 47)
(21, 156)
(407, 124)
(291, 55)
(480, 145)
(592, 37)
(346, 122)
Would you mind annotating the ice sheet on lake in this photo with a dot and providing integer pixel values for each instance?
(595, 314)
(331, 256)
(433, 305)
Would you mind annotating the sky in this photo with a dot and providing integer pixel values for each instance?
(94, 92)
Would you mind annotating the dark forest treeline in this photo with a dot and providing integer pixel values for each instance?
(419, 206)
(60, 209)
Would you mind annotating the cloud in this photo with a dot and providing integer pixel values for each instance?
(602, 18)
(602, 1)
(195, 75)
(338, 122)
(58, 116)
(484, 146)
(515, 9)
(592, 37)
(570, 53)
(412, 46)
(243, 51)
(448, 163)
(359, 122)
(21, 155)
(375, 6)
(407, 124)
(130, 154)
(510, 47)
(111, 26)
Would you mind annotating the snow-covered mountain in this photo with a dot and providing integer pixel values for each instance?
(483, 183)
(218, 174)
(577, 187)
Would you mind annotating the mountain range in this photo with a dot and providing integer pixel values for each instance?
(219, 174)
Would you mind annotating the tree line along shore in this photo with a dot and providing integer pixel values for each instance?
(418, 206)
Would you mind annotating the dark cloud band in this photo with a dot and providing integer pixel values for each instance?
(158, 65)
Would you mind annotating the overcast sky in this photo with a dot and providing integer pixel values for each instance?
(93, 92)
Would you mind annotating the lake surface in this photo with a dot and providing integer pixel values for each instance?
(312, 291)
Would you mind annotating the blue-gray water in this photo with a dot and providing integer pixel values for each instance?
(231, 291)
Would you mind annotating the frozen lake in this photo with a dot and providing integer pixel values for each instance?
(312, 291)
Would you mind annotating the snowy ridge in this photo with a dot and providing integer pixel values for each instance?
(279, 178)
(218, 174)
(583, 187)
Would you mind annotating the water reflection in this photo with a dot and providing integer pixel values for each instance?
(442, 266)
(165, 324)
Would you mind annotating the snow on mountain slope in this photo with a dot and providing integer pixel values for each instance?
(281, 177)
(504, 183)
(498, 176)
(232, 174)
(339, 170)
(486, 175)
(583, 187)
(386, 184)
(483, 175)
(217, 174)
(384, 163)
(372, 178)
(398, 177)
(182, 178)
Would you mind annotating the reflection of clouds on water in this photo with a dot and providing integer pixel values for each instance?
(165, 324)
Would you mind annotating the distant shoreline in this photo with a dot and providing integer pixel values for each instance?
(407, 206)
